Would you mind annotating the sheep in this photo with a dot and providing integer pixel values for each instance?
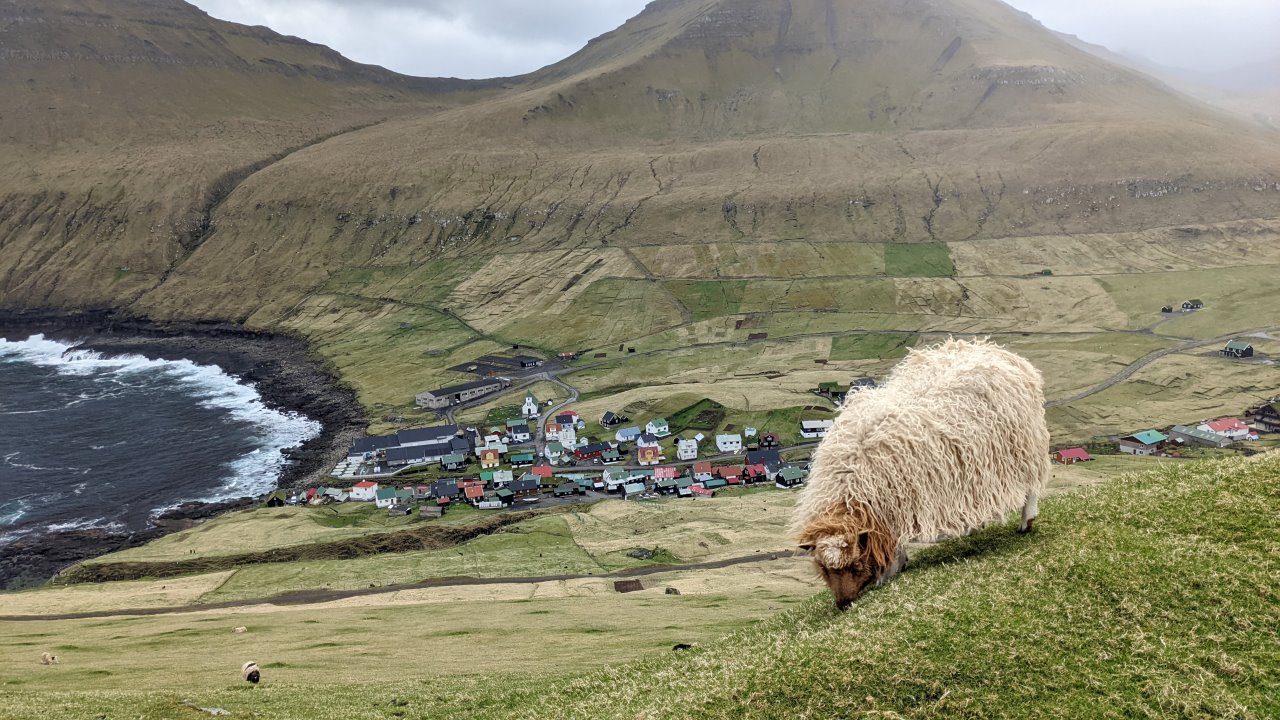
(953, 440)
(250, 672)
(47, 659)
(240, 630)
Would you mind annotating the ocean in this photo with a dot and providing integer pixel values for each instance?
(111, 443)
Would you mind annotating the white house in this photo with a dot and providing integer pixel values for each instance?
(687, 449)
(750, 432)
(658, 427)
(364, 491)
(615, 479)
(530, 408)
(502, 478)
(648, 441)
(553, 451)
(812, 429)
(729, 443)
(627, 434)
(385, 497)
(568, 435)
(1230, 428)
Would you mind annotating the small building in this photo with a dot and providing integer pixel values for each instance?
(1267, 417)
(1230, 428)
(1190, 305)
(553, 451)
(648, 441)
(569, 356)
(611, 457)
(649, 456)
(458, 394)
(813, 429)
(789, 477)
(625, 435)
(686, 450)
(502, 478)
(612, 419)
(522, 460)
(530, 409)
(1167, 309)
(1145, 443)
(385, 497)
(769, 441)
(490, 458)
(505, 496)
(659, 428)
(364, 491)
(431, 512)
(730, 474)
(729, 443)
(1184, 434)
(702, 471)
(519, 434)
(528, 486)
(1238, 349)
(771, 458)
(833, 391)
(591, 452)
(527, 361)
(445, 490)
(1071, 456)
(752, 474)
(279, 498)
(454, 462)
(633, 490)
(543, 472)
(568, 489)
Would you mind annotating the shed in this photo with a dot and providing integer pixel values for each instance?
(1199, 436)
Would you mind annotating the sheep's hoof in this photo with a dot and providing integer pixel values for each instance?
(1028, 527)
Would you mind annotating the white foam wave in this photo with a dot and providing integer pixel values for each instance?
(253, 473)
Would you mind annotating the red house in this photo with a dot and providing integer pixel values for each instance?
(543, 471)
(591, 452)
(666, 473)
(755, 473)
(1072, 456)
(731, 475)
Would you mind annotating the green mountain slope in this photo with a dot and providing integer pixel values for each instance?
(1155, 595)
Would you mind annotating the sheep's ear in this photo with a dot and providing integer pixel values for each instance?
(807, 548)
(864, 541)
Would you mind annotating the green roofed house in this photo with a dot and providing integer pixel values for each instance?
(659, 427)
(522, 460)
(789, 477)
(505, 496)
(609, 457)
(715, 484)
(1145, 443)
(404, 496)
(1238, 349)
(455, 461)
(385, 497)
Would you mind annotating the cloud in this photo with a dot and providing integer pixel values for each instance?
(490, 38)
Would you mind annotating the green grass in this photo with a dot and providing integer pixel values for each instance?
(874, 346)
(705, 415)
(708, 299)
(1123, 604)
(918, 260)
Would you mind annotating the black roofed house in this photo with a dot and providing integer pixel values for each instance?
(568, 489)
(445, 489)
(833, 390)
(1238, 349)
(1192, 305)
(527, 361)
(364, 446)
(772, 458)
(768, 441)
(527, 486)
(789, 477)
(426, 436)
(1267, 417)
(611, 419)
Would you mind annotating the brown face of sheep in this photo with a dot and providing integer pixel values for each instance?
(845, 564)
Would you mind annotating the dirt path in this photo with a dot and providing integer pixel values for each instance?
(313, 597)
(1143, 362)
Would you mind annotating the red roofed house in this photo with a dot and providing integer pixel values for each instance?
(755, 473)
(666, 473)
(474, 494)
(1072, 456)
(490, 458)
(702, 471)
(543, 471)
(1230, 428)
(365, 491)
(649, 455)
(731, 475)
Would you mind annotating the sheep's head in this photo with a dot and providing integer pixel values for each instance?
(849, 556)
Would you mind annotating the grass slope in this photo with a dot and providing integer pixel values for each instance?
(1156, 595)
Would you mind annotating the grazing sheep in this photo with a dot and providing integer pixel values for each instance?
(47, 659)
(250, 672)
(952, 441)
(240, 630)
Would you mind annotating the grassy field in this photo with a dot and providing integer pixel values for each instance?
(1122, 604)
(875, 346)
(918, 260)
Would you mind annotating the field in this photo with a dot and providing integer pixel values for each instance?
(992, 624)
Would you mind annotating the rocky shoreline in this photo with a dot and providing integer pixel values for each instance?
(280, 367)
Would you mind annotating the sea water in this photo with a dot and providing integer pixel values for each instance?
(88, 441)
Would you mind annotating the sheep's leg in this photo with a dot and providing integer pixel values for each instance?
(899, 564)
(1030, 511)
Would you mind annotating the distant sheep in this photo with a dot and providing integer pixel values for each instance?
(47, 659)
(240, 630)
(250, 672)
(952, 441)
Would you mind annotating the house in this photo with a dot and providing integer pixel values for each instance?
(715, 484)
(659, 428)
(769, 441)
(702, 471)
(570, 417)
(666, 473)
(371, 445)
(458, 394)
(522, 460)
(1267, 417)
(666, 487)
(502, 478)
(627, 435)
(591, 452)
(453, 462)
(543, 472)
(527, 486)
(421, 492)
(553, 451)
(833, 391)
(647, 440)
(1147, 442)
(404, 496)
(444, 490)
(277, 499)
(1230, 428)
(730, 474)
(812, 429)
(426, 436)
(519, 433)
(569, 356)
(612, 419)
(505, 496)
(863, 383)
(490, 458)
(1238, 349)
(399, 511)
(527, 361)
(1071, 456)
(364, 491)
(686, 449)
(1199, 436)
(568, 490)
(614, 480)
(789, 477)
(494, 441)
(649, 456)
(684, 487)
(385, 497)
(611, 456)
(568, 435)
(633, 490)
(772, 458)
(755, 474)
(1167, 309)
(431, 512)
(729, 443)
(474, 494)
(414, 455)
(1192, 305)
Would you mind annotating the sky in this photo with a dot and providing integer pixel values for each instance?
(493, 38)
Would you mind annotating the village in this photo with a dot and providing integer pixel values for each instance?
(542, 457)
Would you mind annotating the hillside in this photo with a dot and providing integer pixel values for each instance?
(1121, 604)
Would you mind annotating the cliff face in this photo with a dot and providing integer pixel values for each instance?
(697, 121)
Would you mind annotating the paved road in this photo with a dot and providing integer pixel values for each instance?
(1143, 362)
(325, 596)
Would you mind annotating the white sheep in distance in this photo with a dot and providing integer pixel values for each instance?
(953, 440)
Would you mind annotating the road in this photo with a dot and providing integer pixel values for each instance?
(325, 596)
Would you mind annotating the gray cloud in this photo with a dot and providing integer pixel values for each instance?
(488, 38)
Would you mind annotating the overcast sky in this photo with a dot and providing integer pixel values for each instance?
(490, 38)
